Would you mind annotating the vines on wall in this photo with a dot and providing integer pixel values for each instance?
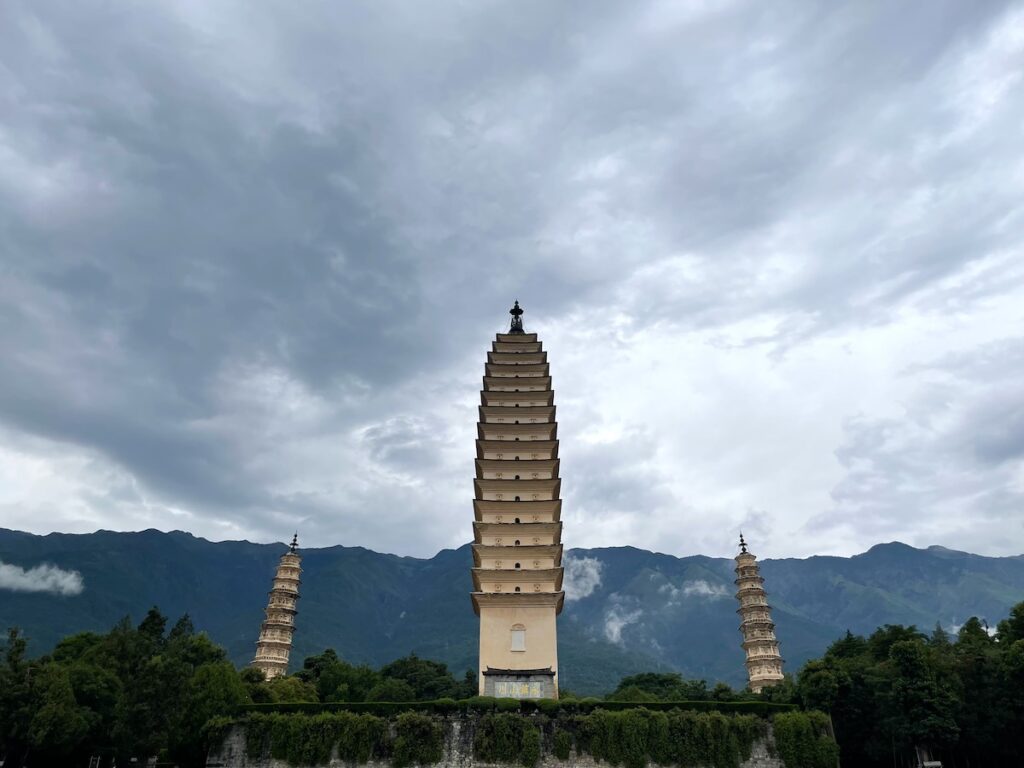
(803, 739)
(628, 738)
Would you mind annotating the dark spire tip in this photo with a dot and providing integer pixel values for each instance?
(517, 318)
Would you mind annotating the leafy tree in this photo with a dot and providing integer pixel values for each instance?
(632, 693)
(882, 639)
(392, 689)
(288, 689)
(15, 706)
(74, 647)
(663, 686)
(920, 709)
(337, 680)
(897, 691)
(1011, 629)
(59, 723)
(429, 680)
(212, 690)
(819, 685)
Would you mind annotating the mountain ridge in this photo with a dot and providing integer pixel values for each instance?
(628, 610)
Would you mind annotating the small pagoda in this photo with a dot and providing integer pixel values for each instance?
(517, 529)
(764, 663)
(275, 643)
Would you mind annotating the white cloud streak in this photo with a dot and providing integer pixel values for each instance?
(582, 576)
(617, 618)
(41, 578)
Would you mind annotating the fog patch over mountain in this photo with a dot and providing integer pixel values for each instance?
(41, 578)
(582, 576)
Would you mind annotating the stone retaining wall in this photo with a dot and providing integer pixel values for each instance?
(458, 753)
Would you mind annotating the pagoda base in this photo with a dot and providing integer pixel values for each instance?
(520, 683)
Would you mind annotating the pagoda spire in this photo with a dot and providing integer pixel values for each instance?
(517, 529)
(517, 318)
(763, 660)
(275, 642)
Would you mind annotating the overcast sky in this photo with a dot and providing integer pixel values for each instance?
(252, 256)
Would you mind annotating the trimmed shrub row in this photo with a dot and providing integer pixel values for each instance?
(804, 739)
(548, 707)
(631, 738)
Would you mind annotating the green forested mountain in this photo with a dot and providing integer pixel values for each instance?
(630, 610)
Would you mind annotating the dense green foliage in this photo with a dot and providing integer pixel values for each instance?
(649, 687)
(503, 737)
(131, 693)
(419, 740)
(631, 738)
(145, 691)
(139, 691)
(899, 690)
(308, 740)
(408, 679)
(802, 739)
(634, 737)
(524, 706)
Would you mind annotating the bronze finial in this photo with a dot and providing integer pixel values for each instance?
(517, 318)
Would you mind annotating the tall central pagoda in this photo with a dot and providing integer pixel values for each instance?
(517, 532)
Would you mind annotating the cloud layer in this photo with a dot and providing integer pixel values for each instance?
(252, 260)
(41, 578)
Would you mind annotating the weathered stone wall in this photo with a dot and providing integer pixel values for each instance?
(458, 753)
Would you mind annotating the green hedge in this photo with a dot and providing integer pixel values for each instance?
(507, 737)
(803, 740)
(631, 737)
(419, 740)
(636, 737)
(309, 740)
(548, 707)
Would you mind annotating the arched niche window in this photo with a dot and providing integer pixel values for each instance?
(517, 519)
(517, 498)
(519, 565)
(517, 477)
(517, 542)
(517, 458)
(519, 589)
(518, 637)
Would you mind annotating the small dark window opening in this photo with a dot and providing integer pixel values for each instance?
(517, 477)
(517, 458)
(517, 438)
(518, 589)
(517, 421)
(517, 519)
(518, 565)
(517, 405)
(517, 498)
(517, 542)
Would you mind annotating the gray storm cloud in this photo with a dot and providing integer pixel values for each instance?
(253, 260)
(41, 578)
